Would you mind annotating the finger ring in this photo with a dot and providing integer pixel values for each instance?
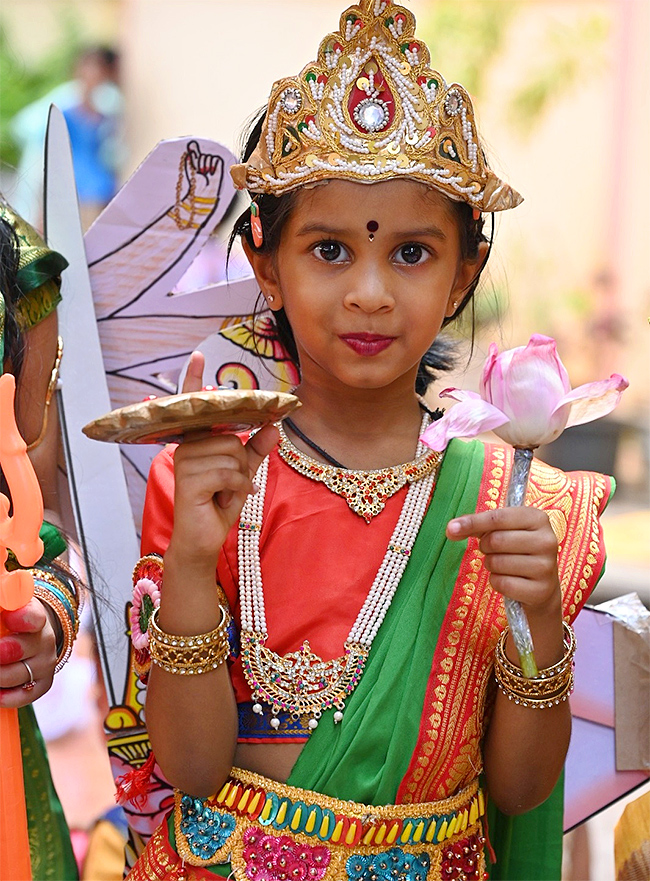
(31, 682)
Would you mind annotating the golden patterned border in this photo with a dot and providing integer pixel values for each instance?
(454, 718)
(244, 786)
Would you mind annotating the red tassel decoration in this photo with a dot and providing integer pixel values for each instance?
(135, 785)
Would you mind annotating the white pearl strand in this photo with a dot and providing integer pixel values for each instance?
(380, 595)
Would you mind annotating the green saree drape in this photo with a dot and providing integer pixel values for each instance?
(50, 849)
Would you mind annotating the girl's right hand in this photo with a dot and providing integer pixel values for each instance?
(213, 477)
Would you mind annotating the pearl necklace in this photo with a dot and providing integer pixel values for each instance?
(300, 682)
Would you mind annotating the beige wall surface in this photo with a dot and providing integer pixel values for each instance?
(204, 66)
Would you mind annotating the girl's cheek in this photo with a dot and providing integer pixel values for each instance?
(10, 651)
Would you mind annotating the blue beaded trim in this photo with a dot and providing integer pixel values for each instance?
(205, 829)
(392, 865)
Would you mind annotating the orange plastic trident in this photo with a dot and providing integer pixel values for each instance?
(20, 533)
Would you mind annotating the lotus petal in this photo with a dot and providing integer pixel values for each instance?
(466, 419)
(594, 399)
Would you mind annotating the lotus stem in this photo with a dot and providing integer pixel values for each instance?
(515, 614)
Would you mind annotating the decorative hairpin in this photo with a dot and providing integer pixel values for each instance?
(256, 225)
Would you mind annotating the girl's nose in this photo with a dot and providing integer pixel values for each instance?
(370, 290)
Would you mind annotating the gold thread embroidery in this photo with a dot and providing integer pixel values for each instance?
(575, 503)
(442, 823)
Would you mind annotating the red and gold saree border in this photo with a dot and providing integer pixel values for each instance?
(448, 753)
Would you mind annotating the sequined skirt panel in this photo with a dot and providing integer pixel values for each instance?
(269, 831)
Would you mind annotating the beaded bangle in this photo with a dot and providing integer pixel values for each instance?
(189, 655)
(550, 687)
(59, 592)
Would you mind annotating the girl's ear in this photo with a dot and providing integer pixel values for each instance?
(265, 270)
(467, 272)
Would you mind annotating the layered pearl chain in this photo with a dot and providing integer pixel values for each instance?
(300, 682)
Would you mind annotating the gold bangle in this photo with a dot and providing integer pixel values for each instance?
(550, 687)
(48, 394)
(69, 626)
(189, 655)
(547, 672)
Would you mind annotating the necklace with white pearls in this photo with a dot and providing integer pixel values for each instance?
(300, 682)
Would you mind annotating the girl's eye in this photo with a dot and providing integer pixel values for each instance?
(411, 254)
(331, 252)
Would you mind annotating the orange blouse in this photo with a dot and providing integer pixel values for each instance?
(306, 533)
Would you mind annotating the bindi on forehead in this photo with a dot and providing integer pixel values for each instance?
(372, 226)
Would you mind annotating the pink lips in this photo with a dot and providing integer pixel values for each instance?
(367, 343)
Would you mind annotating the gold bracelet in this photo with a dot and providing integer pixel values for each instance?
(550, 687)
(54, 376)
(189, 655)
(63, 606)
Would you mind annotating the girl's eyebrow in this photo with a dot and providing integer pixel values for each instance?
(433, 232)
(321, 228)
(325, 229)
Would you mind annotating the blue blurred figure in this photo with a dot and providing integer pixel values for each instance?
(92, 104)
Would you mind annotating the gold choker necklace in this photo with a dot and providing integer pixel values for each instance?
(366, 492)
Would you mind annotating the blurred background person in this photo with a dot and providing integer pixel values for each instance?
(92, 104)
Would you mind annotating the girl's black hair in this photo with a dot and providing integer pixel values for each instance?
(9, 261)
(275, 211)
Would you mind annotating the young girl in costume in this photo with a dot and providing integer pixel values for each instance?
(356, 730)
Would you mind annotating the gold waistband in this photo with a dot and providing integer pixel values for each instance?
(255, 821)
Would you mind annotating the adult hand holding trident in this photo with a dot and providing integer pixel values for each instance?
(526, 399)
(20, 532)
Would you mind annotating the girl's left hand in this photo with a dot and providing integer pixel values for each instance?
(32, 640)
(520, 551)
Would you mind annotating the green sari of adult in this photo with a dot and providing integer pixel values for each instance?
(371, 756)
(50, 848)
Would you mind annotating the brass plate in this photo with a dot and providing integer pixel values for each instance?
(168, 419)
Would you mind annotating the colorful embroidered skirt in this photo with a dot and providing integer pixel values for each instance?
(269, 831)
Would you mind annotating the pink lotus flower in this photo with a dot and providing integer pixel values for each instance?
(525, 398)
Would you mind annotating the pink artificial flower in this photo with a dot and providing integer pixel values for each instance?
(146, 598)
(525, 398)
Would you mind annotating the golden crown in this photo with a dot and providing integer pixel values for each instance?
(370, 109)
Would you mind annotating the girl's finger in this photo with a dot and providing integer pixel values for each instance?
(19, 674)
(477, 525)
(203, 446)
(28, 619)
(260, 445)
(22, 683)
(532, 569)
(542, 543)
(11, 650)
(193, 381)
(234, 484)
